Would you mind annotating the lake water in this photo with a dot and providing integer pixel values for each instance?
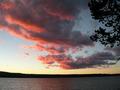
(82, 83)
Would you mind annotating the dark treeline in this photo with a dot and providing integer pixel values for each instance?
(19, 75)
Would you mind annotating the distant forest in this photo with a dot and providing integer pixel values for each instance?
(19, 75)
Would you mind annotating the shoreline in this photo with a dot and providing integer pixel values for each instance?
(20, 75)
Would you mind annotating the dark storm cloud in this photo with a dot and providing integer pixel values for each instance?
(115, 50)
(66, 62)
(49, 23)
(44, 24)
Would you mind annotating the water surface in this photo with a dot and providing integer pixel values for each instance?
(82, 83)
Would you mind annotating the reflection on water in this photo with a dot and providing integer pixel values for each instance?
(35, 84)
(83, 83)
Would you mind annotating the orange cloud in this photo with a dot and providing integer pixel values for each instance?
(50, 29)
(60, 15)
(26, 25)
(7, 4)
(49, 24)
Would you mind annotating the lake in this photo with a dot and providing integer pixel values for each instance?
(81, 83)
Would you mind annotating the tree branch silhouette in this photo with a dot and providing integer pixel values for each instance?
(107, 12)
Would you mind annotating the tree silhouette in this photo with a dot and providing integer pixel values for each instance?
(107, 12)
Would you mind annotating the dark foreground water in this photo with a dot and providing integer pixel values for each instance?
(82, 83)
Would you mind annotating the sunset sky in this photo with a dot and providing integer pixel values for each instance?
(52, 37)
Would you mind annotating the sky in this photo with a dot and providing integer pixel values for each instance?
(52, 37)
